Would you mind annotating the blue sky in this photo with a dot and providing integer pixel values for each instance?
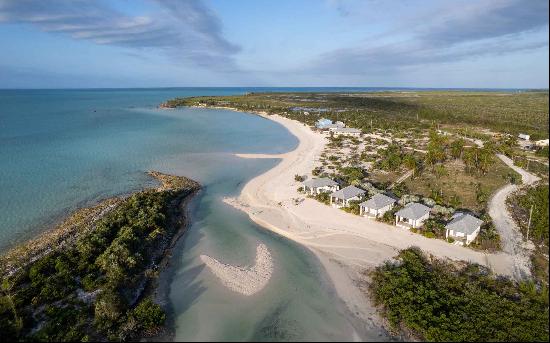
(163, 43)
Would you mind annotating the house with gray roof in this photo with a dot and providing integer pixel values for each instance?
(376, 206)
(463, 228)
(346, 131)
(413, 215)
(343, 197)
(320, 185)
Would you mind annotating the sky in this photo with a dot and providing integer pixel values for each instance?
(360, 43)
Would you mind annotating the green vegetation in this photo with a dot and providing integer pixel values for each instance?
(521, 203)
(513, 113)
(458, 187)
(92, 289)
(437, 301)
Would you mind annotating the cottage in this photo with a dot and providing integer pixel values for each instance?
(321, 185)
(346, 131)
(343, 197)
(524, 136)
(376, 206)
(323, 123)
(413, 215)
(463, 228)
(541, 143)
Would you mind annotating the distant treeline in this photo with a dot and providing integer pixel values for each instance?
(525, 112)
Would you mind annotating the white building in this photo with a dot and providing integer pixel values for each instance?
(376, 206)
(346, 131)
(463, 228)
(343, 197)
(323, 123)
(413, 215)
(324, 184)
(524, 136)
(541, 143)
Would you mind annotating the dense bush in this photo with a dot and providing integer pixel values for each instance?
(440, 302)
(110, 261)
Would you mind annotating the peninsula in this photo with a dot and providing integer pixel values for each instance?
(432, 150)
(91, 278)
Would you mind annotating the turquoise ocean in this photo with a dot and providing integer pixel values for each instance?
(64, 149)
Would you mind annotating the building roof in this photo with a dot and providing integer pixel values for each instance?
(378, 201)
(348, 192)
(347, 130)
(464, 222)
(321, 182)
(413, 211)
(323, 123)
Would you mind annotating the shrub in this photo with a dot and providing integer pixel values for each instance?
(299, 178)
(148, 314)
(440, 302)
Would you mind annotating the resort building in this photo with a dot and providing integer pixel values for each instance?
(413, 215)
(323, 123)
(463, 228)
(376, 206)
(324, 184)
(342, 197)
(346, 131)
(542, 143)
(524, 136)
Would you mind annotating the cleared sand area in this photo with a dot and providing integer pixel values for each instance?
(246, 281)
(345, 243)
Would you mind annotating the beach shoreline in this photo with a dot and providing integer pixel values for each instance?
(346, 245)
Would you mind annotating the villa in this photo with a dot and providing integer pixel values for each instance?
(321, 185)
(413, 215)
(323, 123)
(376, 206)
(542, 143)
(463, 228)
(343, 197)
(346, 131)
(524, 136)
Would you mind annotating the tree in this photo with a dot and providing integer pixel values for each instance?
(436, 149)
(457, 148)
(148, 314)
(411, 163)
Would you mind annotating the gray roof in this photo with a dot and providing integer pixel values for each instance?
(348, 192)
(413, 211)
(378, 201)
(321, 182)
(347, 130)
(464, 222)
(332, 126)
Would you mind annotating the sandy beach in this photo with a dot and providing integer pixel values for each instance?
(346, 244)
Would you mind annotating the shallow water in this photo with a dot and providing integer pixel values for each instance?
(60, 150)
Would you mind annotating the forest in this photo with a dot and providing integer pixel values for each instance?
(95, 289)
(434, 300)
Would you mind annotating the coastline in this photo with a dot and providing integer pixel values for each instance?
(346, 245)
(64, 241)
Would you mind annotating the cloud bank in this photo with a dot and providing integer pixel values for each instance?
(451, 33)
(185, 30)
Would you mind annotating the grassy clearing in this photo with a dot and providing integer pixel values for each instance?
(471, 190)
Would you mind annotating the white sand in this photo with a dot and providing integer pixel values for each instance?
(246, 281)
(346, 244)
